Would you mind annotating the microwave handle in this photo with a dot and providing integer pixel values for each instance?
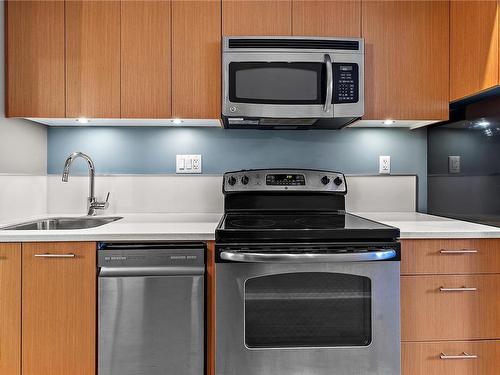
(329, 84)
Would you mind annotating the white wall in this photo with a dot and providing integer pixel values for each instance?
(192, 194)
(23, 157)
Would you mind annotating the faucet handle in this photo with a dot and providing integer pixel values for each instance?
(101, 205)
(105, 204)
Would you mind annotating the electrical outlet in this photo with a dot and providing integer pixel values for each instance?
(384, 165)
(188, 164)
(453, 164)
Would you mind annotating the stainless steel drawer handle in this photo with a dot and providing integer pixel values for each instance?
(464, 355)
(70, 255)
(461, 251)
(461, 289)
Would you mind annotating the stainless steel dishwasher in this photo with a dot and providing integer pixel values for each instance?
(151, 308)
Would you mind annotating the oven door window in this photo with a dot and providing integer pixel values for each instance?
(277, 83)
(310, 309)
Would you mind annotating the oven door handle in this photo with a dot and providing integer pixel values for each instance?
(329, 84)
(273, 257)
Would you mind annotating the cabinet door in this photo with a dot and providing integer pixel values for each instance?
(196, 61)
(34, 45)
(59, 308)
(145, 59)
(407, 59)
(327, 18)
(474, 47)
(10, 309)
(93, 59)
(256, 17)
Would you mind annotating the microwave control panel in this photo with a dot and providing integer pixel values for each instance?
(345, 83)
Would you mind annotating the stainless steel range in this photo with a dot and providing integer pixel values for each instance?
(302, 286)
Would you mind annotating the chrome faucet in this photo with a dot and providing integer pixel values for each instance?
(92, 203)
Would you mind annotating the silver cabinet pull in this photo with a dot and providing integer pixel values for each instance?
(329, 84)
(464, 355)
(461, 289)
(70, 255)
(461, 251)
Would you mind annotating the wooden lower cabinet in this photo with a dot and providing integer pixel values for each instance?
(10, 309)
(450, 307)
(450, 303)
(424, 358)
(59, 308)
(450, 256)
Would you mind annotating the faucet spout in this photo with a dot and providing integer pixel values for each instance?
(92, 203)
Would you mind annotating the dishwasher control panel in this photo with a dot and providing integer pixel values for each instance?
(154, 255)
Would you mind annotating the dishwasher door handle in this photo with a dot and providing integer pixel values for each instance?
(275, 257)
(151, 271)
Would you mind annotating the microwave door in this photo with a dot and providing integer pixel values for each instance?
(278, 86)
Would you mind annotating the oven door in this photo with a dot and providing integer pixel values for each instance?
(292, 85)
(319, 318)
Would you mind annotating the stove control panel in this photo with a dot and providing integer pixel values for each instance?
(285, 180)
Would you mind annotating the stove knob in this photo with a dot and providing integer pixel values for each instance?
(338, 181)
(231, 180)
(325, 180)
(244, 180)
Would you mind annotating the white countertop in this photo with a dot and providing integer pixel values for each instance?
(417, 225)
(133, 227)
(201, 227)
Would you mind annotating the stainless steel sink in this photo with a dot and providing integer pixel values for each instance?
(63, 223)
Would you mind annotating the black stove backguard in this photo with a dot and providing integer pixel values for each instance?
(281, 190)
(276, 201)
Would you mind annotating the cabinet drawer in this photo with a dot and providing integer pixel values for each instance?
(450, 256)
(450, 307)
(467, 358)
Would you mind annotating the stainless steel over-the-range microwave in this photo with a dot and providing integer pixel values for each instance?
(292, 82)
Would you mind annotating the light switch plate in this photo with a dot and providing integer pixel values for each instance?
(453, 164)
(384, 164)
(188, 164)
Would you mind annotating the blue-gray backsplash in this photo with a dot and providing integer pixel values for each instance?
(146, 150)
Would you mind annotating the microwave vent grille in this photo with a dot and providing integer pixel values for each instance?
(325, 44)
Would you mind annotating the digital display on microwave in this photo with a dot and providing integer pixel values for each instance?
(285, 179)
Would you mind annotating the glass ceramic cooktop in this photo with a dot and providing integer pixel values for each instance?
(298, 221)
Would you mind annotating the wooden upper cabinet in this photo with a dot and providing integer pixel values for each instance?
(34, 58)
(196, 59)
(407, 59)
(93, 59)
(338, 18)
(10, 309)
(59, 308)
(145, 59)
(256, 17)
(474, 47)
